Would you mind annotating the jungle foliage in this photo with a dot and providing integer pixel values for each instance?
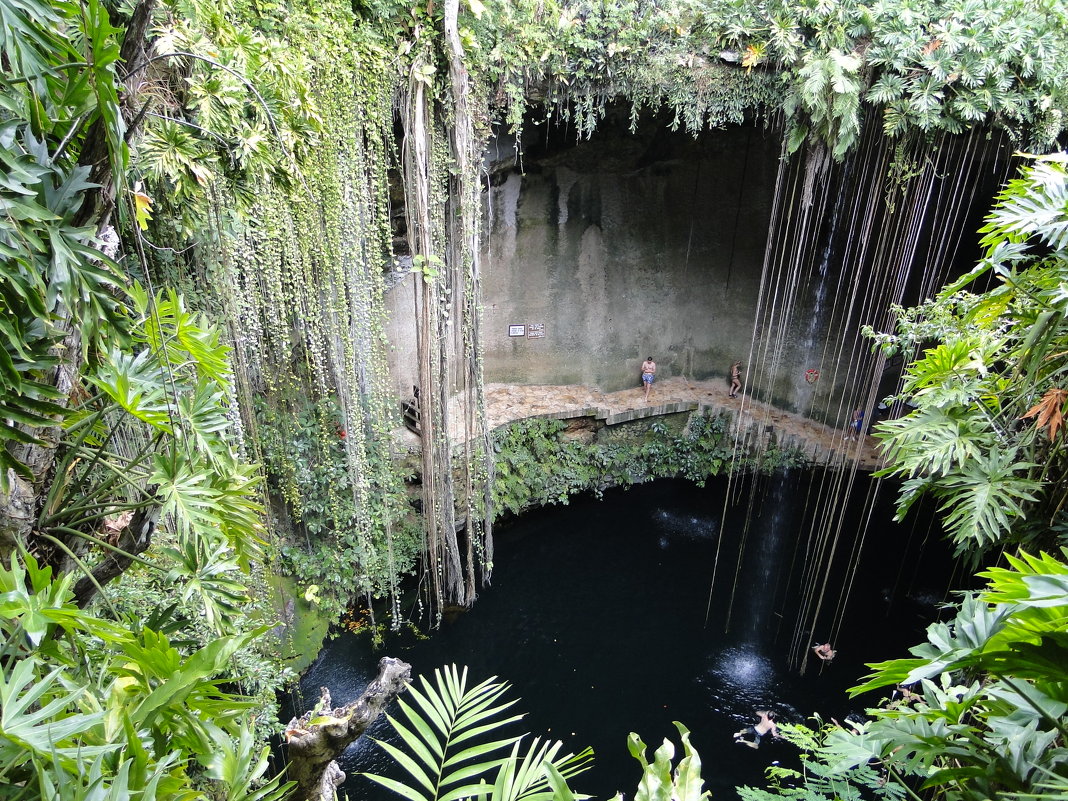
(196, 202)
(985, 435)
(537, 461)
(921, 65)
(120, 454)
(113, 707)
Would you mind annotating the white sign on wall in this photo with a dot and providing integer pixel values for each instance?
(535, 330)
(517, 330)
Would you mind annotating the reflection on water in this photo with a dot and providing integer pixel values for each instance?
(740, 680)
(672, 526)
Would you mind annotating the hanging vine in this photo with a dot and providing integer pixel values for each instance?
(467, 137)
(302, 288)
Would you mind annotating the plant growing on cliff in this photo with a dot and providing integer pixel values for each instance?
(925, 65)
(305, 460)
(538, 463)
(984, 437)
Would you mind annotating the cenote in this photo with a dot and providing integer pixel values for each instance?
(601, 618)
(310, 305)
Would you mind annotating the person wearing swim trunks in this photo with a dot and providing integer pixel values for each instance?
(648, 374)
(762, 728)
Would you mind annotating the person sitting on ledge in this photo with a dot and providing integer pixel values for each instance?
(765, 726)
(824, 652)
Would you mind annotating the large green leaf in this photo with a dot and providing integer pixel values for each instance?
(40, 715)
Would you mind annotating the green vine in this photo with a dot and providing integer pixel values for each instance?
(307, 464)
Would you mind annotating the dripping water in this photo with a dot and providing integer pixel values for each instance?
(812, 341)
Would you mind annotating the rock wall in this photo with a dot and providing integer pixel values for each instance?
(651, 242)
(625, 246)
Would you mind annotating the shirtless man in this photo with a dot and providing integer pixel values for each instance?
(763, 727)
(824, 651)
(648, 373)
(736, 379)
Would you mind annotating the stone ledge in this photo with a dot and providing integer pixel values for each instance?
(823, 443)
(566, 414)
(649, 411)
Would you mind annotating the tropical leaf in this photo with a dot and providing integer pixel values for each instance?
(142, 209)
(239, 766)
(1050, 411)
(136, 383)
(38, 715)
(982, 499)
(34, 603)
(449, 755)
(661, 781)
(204, 568)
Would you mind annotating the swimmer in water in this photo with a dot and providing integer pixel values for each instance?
(763, 727)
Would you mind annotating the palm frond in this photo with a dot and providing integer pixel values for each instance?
(448, 751)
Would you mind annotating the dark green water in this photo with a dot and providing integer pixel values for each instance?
(597, 617)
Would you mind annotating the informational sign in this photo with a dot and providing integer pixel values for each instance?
(517, 330)
(535, 330)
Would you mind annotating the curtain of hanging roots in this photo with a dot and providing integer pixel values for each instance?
(847, 241)
(416, 174)
(464, 267)
(443, 564)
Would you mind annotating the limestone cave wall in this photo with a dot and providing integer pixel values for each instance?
(652, 242)
(621, 247)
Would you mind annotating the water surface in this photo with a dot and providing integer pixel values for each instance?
(601, 619)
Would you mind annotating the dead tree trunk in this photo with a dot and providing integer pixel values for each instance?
(131, 542)
(314, 746)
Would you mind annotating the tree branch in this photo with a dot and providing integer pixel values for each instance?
(133, 541)
(318, 736)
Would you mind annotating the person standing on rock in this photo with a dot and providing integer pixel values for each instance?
(648, 373)
(736, 379)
